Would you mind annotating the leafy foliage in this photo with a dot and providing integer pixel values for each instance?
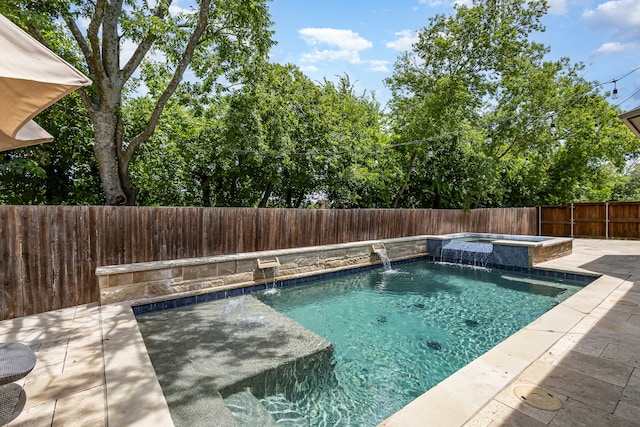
(474, 102)
(282, 141)
(59, 173)
(216, 40)
(470, 121)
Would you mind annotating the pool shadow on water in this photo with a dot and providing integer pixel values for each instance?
(200, 356)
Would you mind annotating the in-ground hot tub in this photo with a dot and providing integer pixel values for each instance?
(500, 250)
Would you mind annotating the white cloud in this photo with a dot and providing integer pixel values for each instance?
(622, 19)
(619, 15)
(308, 68)
(468, 3)
(379, 66)
(432, 3)
(127, 48)
(348, 44)
(342, 39)
(613, 47)
(83, 22)
(558, 7)
(404, 42)
(350, 56)
(175, 10)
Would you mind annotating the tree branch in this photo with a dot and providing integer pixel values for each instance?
(36, 34)
(111, 42)
(144, 46)
(82, 42)
(88, 105)
(203, 21)
(91, 50)
(504, 153)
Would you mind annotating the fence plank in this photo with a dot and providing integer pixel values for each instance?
(590, 220)
(49, 253)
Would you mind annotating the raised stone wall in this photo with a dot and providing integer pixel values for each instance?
(183, 277)
(548, 252)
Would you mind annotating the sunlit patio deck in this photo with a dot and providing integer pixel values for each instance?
(93, 369)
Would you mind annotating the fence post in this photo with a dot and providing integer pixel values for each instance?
(539, 220)
(606, 220)
(571, 219)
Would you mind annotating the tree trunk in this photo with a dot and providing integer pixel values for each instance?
(104, 148)
(289, 198)
(130, 191)
(396, 200)
(299, 199)
(205, 184)
(266, 195)
(436, 199)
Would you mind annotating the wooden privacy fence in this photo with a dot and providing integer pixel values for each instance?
(49, 254)
(606, 220)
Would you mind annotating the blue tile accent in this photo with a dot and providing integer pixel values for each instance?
(212, 296)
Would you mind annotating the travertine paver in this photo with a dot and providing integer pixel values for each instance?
(93, 368)
(69, 367)
(595, 368)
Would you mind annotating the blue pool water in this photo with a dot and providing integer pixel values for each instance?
(398, 333)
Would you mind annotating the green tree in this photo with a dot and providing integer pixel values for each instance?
(279, 141)
(452, 75)
(359, 167)
(568, 135)
(262, 130)
(475, 103)
(627, 186)
(214, 40)
(58, 173)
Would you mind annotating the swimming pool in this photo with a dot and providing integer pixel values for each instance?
(398, 333)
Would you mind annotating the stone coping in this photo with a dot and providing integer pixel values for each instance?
(187, 262)
(133, 392)
(501, 239)
(135, 397)
(195, 276)
(486, 376)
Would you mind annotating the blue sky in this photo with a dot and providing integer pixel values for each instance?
(363, 38)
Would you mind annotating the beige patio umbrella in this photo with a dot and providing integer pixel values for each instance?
(31, 79)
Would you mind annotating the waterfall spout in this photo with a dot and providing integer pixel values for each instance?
(472, 253)
(381, 251)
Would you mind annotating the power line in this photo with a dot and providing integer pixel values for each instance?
(628, 98)
(617, 79)
(447, 135)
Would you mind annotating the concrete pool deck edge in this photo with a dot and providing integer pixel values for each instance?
(463, 398)
(127, 362)
(93, 367)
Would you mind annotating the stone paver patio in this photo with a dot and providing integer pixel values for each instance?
(93, 369)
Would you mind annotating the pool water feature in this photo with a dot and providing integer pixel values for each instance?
(476, 253)
(497, 250)
(398, 334)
